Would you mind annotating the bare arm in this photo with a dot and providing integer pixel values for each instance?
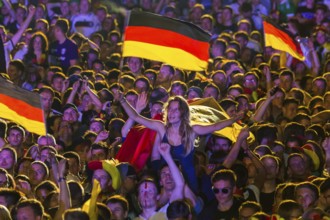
(268, 76)
(131, 112)
(140, 105)
(177, 193)
(15, 39)
(261, 171)
(155, 155)
(257, 116)
(159, 6)
(73, 93)
(64, 197)
(207, 129)
(91, 44)
(95, 99)
(233, 153)
(312, 55)
(10, 9)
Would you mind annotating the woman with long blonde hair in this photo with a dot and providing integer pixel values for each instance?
(177, 131)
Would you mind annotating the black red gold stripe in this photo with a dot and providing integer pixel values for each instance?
(160, 22)
(279, 39)
(171, 41)
(22, 107)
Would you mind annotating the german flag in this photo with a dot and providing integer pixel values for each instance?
(22, 107)
(177, 43)
(280, 39)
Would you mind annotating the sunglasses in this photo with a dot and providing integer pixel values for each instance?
(222, 190)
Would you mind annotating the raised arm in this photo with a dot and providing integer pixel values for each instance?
(24, 26)
(73, 92)
(261, 171)
(59, 170)
(233, 153)
(10, 9)
(312, 55)
(95, 99)
(140, 105)
(131, 112)
(257, 116)
(268, 76)
(208, 129)
(177, 193)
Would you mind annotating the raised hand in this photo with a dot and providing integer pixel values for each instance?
(103, 135)
(117, 141)
(32, 10)
(164, 150)
(65, 85)
(76, 85)
(35, 153)
(266, 71)
(85, 86)
(141, 102)
(118, 95)
(272, 93)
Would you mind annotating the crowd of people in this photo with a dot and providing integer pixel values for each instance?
(97, 103)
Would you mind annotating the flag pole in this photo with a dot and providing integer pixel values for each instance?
(43, 116)
(127, 17)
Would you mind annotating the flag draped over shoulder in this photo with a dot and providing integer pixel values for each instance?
(177, 43)
(279, 39)
(22, 107)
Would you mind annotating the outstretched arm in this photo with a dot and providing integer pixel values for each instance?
(207, 129)
(131, 112)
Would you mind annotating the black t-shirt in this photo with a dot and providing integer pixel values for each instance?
(267, 201)
(61, 54)
(212, 212)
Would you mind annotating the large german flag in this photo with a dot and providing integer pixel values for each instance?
(22, 107)
(280, 39)
(177, 43)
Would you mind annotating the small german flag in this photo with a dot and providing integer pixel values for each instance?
(177, 43)
(280, 39)
(22, 107)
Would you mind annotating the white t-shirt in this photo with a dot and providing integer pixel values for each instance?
(86, 24)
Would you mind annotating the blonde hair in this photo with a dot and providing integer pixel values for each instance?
(186, 131)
